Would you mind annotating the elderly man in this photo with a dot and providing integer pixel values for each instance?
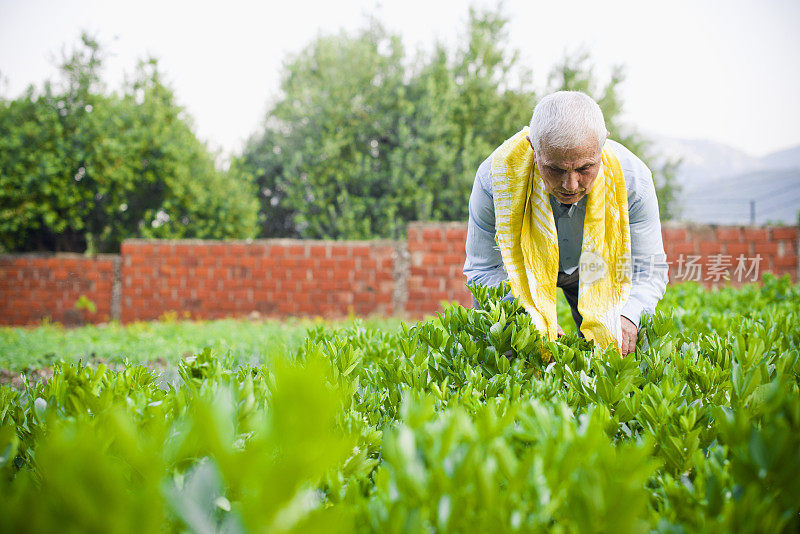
(559, 205)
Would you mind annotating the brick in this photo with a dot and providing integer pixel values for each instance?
(340, 251)
(343, 298)
(417, 296)
(305, 287)
(368, 264)
(735, 249)
(684, 248)
(756, 234)
(454, 259)
(200, 251)
(417, 246)
(342, 275)
(766, 249)
(257, 250)
(182, 250)
(270, 284)
(383, 298)
(432, 283)
(278, 251)
(729, 233)
(326, 285)
(229, 261)
(788, 232)
(248, 262)
(143, 249)
(266, 263)
(674, 234)
(456, 234)
(360, 251)
(437, 246)
(363, 298)
(785, 262)
(322, 274)
(297, 250)
(346, 264)
(710, 247)
(441, 271)
(457, 247)
(236, 249)
(327, 263)
(318, 251)
(432, 234)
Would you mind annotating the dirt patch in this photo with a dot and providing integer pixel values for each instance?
(14, 378)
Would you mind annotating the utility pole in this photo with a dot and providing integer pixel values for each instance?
(752, 213)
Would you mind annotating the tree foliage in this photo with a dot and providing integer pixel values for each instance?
(365, 138)
(83, 169)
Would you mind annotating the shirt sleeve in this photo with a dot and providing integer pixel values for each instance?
(650, 268)
(484, 263)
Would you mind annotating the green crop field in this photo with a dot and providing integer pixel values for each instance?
(168, 340)
(426, 427)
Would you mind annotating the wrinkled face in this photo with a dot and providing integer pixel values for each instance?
(568, 174)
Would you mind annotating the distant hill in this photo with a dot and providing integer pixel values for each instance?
(721, 184)
(702, 161)
(772, 195)
(784, 159)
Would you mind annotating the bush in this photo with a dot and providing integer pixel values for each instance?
(82, 169)
(433, 429)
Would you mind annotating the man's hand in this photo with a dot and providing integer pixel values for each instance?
(560, 331)
(629, 336)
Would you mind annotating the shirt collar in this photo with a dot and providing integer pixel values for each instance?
(560, 209)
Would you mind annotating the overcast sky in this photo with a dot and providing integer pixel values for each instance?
(726, 71)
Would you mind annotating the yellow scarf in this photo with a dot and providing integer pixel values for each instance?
(527, 238)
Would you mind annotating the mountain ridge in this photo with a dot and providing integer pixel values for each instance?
(724, 185)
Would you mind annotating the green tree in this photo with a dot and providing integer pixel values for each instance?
(364, 139)
(322, 161)
(464, 107)
(82, 169)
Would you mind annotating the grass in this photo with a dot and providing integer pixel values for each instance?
(171, 339)
(247, 341)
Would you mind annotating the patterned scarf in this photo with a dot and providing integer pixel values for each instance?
(527, 238)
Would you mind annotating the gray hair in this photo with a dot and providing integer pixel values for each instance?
(567, 119)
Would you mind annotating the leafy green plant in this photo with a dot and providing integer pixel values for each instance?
(84, 303)
(82, 168)
(468, 421)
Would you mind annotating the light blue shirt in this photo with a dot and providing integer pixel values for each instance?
(484, 263)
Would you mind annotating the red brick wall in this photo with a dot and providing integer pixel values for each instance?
(278, 278)
(33, 287)
(733, 255)
(701, 253)
(436, 262)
